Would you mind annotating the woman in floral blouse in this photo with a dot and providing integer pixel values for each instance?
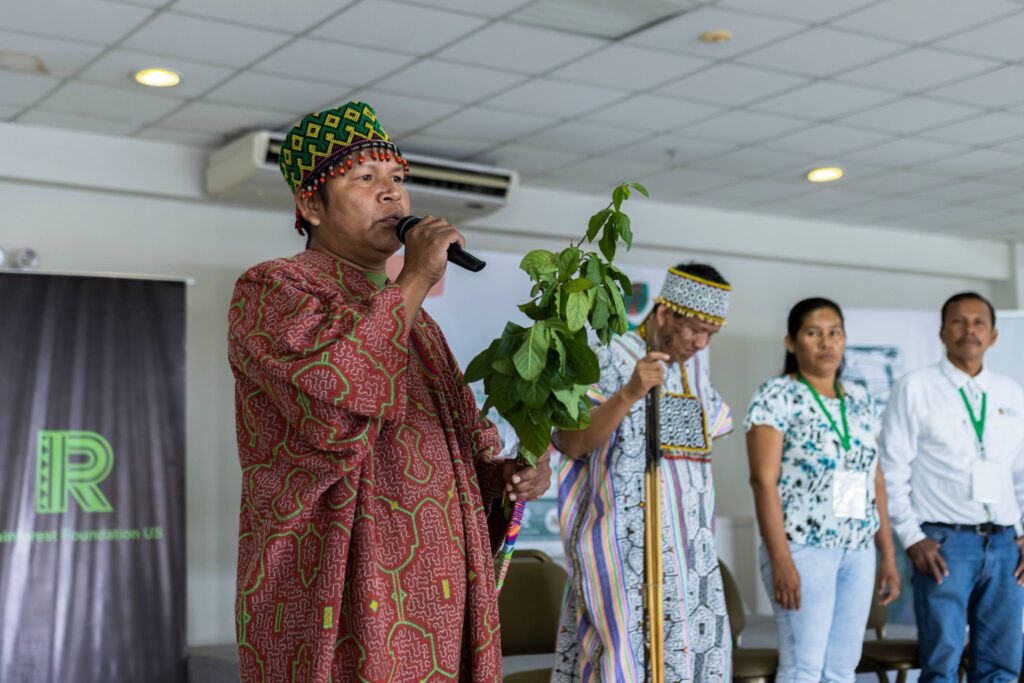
(820, 500)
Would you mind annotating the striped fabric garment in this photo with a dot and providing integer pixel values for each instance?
(602, 635)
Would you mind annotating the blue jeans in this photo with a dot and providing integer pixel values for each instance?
(980, 592)
(822, 640)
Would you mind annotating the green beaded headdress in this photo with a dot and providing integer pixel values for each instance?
(314, 150)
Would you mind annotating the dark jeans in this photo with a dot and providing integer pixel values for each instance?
(980, 592)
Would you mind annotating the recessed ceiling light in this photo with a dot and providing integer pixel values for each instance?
(157, 78)
(825, 174)
(720, 35)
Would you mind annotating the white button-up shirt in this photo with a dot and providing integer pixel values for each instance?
(929, 447)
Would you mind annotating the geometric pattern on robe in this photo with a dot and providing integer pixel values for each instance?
(363, 551)
(603, 635)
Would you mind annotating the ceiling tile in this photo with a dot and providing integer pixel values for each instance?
(996, 89)
(960, 192)
(826, 140)
(204, 40)
(272, 14)
(113, 104)
(92, 21)
(630, 66)
(598, 175)
(979, 162)
(822, 52)
(824, 100)
(404, 25)
(918, 70)
(1014, 177)
(270, 92)
(447, 148)
(61, 57)
(999, 39)
(402, 114)
(683, 182)
(555, 98)
(1014, 146)
(920, 21)
(755, 192)
(224, 119)
(681, 34)
(525, 49)
(71, 122)
(529, 159)
(488, 125)
(322, 61)
(981, 130)
(885, 210)
(182, 137)
(144, 3)
(432, 78)
(117, 68)
(656, 114)
(961, 217)
(484, 8)
(819, 202)
(897, 183)
(906, 152)
(584, 138)
(753, 162)
(743, 127)
(23, 89)
(730, 85)
(1007, 202)
(910, 115)
(8, 113)
(677, 149)
(1009, 227)
(813, 11)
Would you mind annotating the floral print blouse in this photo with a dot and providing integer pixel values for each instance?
(811, 455)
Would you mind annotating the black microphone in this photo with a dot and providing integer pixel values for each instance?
(456, 254)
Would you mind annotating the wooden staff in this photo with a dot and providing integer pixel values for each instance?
(653, 568)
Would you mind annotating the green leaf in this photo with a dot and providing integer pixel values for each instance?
(599, 316)
(504, 366)
(576, 309)
(641, 189)
(502, 393)
(620, 277)
(619, 194)
(597, 222)
(539, 261)
(583, 360)
(580, 284)
(535, 311)
(480, 366)
(532, 354)
(571, 401)
(556, 340)
(607, 242)
(533, 438)
(569, 260)
(535, 393)
(622, 227)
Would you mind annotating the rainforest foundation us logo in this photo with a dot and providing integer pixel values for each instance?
(72, 464)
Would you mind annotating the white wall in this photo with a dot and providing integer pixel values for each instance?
(170, 231)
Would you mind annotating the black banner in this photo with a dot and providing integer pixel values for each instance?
(92, 479)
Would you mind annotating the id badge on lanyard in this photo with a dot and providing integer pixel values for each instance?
(985, 483)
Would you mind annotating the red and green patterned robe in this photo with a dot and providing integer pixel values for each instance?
(363, 552)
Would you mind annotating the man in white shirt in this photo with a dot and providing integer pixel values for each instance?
(953, 458)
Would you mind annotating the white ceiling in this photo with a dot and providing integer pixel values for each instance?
(921, 101)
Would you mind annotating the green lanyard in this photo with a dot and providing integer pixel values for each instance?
(977, 422)
(844, 435)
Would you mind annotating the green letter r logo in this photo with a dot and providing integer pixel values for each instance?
(72, 462)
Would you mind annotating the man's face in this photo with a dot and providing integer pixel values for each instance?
(364, 206)
(967, 330)
(680, 336)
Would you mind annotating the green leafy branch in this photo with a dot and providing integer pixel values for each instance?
(537, 377)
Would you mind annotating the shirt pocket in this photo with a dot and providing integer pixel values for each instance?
(1007, 434)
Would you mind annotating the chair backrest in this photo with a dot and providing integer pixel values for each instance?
(530, 604)
(877, 617)
(733, 603)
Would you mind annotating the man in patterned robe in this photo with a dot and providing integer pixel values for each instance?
(601, 494)
(364, 551)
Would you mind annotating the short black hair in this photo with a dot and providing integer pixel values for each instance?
(962, 296)
(321, 192)
(703, 271)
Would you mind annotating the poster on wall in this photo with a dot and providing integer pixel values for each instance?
(472, 309)
(92, 450)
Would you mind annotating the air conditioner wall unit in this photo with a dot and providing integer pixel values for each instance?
(246, 172)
